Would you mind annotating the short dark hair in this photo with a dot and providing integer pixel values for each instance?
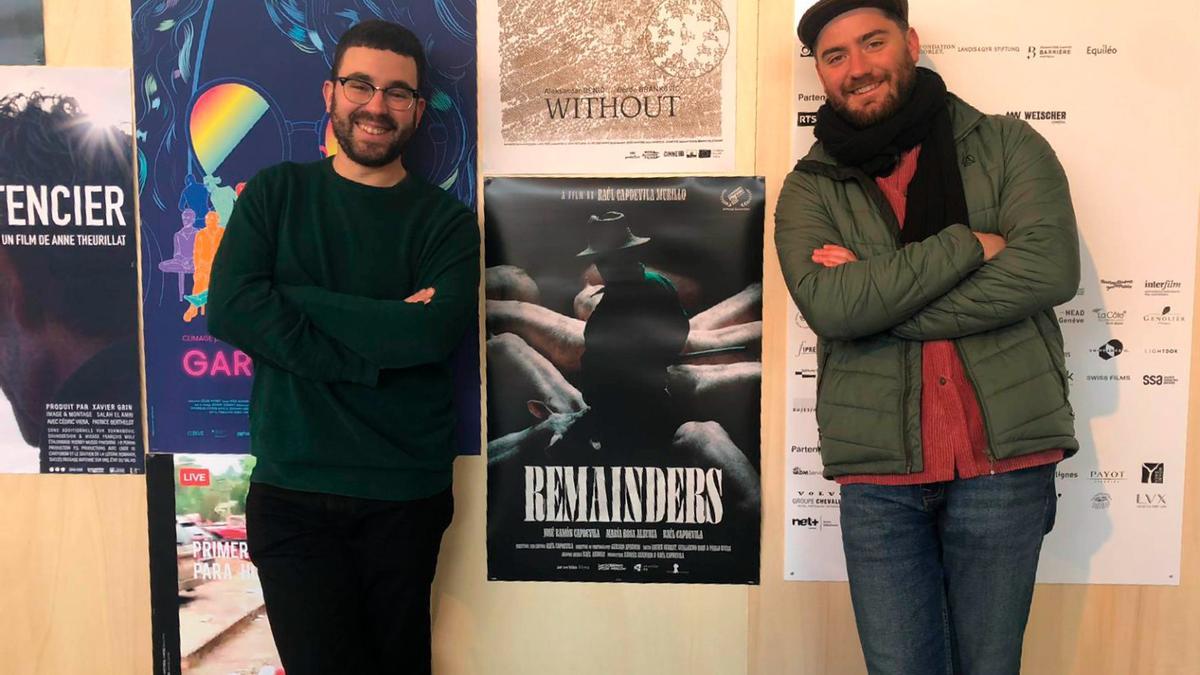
(80, 287)
(380, 34)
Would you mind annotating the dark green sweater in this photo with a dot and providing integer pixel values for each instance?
(352, 385)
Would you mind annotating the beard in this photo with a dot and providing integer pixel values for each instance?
(904, 78)
(370, 155)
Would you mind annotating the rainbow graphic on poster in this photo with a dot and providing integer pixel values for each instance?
(220, 119)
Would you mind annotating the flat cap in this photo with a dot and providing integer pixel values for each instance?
(824, 11)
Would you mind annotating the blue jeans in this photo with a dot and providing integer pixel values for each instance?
(941, 575)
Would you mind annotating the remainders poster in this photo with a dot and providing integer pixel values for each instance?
(207, 609)
(68, 274)
(208, 119)
(22, 38)
(616, 86)
(624, 323)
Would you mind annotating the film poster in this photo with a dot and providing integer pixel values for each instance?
(618, 86)
(68, 274)
(207, 611)
(624, 325)
(208, 119)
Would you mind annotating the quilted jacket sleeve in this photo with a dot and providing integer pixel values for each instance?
(871, 295)
(1039, 267)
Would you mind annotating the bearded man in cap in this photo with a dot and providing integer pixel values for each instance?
(636, 330)
(926, 244)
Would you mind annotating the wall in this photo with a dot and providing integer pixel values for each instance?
(74, 592)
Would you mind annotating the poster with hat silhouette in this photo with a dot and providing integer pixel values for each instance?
(624, 338)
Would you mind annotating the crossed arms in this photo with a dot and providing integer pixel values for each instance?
(322, 335)
(951, 285)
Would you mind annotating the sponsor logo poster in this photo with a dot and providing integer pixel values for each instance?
(624, 375)
(22, 41)
(209, 118)
(616, 86)
(812, 504)
(207, 609)
(68, 274)
(1128, 331)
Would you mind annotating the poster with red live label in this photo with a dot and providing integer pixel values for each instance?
(207, 609)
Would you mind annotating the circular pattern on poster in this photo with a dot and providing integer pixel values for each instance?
(688, 38)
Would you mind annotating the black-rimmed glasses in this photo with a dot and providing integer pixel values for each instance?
(360, 92)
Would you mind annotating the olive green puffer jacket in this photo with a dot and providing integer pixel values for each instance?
(871, 316)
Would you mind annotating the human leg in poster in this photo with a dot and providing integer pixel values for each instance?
(68, 281)
(624, 370)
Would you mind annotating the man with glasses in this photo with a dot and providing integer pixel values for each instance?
(350, 282)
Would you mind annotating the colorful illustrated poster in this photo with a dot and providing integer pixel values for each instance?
(614, 86)
(22, 41)
(1127, 332)
(207, 609)
(624, 322)
(210, 116)
(68, 274)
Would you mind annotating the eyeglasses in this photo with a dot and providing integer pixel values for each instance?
(360, 92)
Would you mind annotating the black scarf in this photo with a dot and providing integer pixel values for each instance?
(935, 196)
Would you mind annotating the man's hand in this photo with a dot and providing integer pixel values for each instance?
(831, 255)
(992, 244)
(422, 296)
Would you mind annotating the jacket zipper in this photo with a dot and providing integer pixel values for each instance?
(885, 210)
(987, 427)
(881, 204)
(904, 406)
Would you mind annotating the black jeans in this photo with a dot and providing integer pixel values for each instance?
(346, 581)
